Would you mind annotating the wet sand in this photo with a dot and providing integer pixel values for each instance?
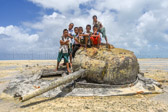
(153, 68)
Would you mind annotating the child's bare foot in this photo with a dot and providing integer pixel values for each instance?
(55, 70)
(69, 71)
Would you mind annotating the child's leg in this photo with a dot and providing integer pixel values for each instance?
(71, 59)
(76, 47)
(65, 55)
(57, 66)
(86, 42)
(98, 42)
(60, 55)
(103, 31)
(92, 40)
(106, 40)
(67, 64)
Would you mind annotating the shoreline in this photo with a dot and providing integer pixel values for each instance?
(151, 102)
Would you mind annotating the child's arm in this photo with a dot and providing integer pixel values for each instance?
(70, 36)
(64, 43)
(77, 40)
(81, 34)
(101, 26)
(67, 42)
(85, 34)
(95, 35)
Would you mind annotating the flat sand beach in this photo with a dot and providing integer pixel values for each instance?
(156, 69)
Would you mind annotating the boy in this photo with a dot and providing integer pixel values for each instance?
(101, 29)
(81, 37)
(87, 35)
(77, 44)
(70, 34)
(63, 51)
(95, 37)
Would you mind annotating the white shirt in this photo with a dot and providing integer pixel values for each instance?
(64, 48)
(71, 32)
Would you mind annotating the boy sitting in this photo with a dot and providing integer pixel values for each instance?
(87, 35)
(63, 51)
(95, 37)
(81, 37)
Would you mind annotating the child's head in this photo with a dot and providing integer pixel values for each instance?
(80, 30)
(95, 28)
(76, 29)
(88, 28)
(71, 25)
(95, 18)
(65, 32)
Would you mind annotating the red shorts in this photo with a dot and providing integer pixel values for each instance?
(95, 40)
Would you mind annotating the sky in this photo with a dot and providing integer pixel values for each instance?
(32, 28)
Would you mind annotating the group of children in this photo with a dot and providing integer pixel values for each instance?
(71, 40)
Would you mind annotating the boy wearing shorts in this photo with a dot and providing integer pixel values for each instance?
(63, 51)
(100, 27)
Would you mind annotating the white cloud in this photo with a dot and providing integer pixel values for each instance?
(137, 25)
(130, 24)
(62, 6)
(15, 38)
(15, 33)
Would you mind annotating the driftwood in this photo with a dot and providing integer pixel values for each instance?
(52, 73)
(54, 84)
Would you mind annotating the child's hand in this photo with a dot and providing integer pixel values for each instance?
(67, 41)
(80, 34)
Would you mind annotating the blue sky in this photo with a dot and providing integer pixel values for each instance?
(34, 26)
(17, 11)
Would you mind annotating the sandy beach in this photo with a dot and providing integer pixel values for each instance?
(156, 69)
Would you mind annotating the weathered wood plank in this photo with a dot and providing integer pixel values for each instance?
(54, 84)
(45, 74)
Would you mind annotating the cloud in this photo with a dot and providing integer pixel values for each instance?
(15, 33)
(137, 25)
(15, 38)
(71, 6)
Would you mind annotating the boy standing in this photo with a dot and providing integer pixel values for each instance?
(63, 51)
(70, 34)
(100, 28)
(77, 44)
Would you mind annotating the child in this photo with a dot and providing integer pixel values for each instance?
(70, 34)
(63, 51)
(87, 35)
(81, 37)
(70, 29)
(76, 45)
(101, 29)
(95, 37)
